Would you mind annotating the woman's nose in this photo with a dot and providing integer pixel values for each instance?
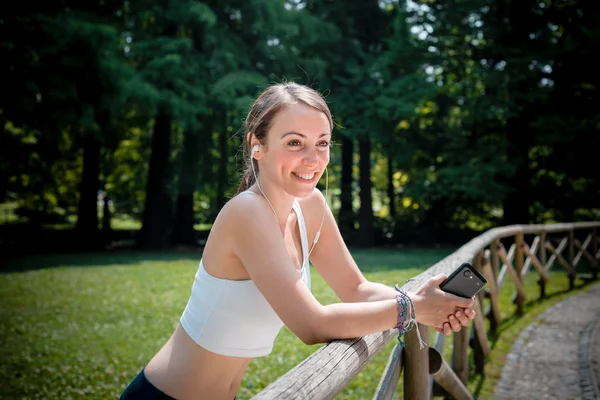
(310, 158)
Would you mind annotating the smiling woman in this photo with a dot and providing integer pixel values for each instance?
(254, 276)
(276, 111)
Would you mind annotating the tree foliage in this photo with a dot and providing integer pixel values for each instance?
(451, 116)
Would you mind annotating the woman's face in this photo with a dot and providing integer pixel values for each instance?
(297, 150)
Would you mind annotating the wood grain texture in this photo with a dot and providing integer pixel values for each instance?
(391, 375)
(328, 370)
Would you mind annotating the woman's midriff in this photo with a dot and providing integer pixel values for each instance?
(184, 370)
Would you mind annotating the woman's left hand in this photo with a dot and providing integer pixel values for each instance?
(461, 317)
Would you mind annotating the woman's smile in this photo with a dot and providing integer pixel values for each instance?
(305, 177)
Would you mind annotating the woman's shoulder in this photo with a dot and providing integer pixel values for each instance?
(245, 202)
(241, 210)
(312, 206)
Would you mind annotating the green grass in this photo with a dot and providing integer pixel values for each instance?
(75, 326)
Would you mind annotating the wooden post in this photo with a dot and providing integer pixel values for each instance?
(594, 251)
(460, 359)
(494, 258)
(571, 259)
(416, 365)
(518, 269)
(494, 267)
(478, 341)
(543, 260)
(441, 372)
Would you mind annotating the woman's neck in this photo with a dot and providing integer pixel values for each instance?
(281, 201)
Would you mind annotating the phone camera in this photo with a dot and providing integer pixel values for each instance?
(467, 273)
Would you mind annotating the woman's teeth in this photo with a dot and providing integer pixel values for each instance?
(307, 177)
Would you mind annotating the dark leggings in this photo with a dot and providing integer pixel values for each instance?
(141, 388)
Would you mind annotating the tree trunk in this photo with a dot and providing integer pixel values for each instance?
(87, 211)
(222, 182)
(183, 227)
(390, 184)
(519, 132)
(517, 203)
(156, 208)
(366, 235)
(346, 215)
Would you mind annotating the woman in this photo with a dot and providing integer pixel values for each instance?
(254, 274)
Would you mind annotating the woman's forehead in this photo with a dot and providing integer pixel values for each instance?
(300, 119)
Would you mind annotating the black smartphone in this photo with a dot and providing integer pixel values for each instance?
(465, 281)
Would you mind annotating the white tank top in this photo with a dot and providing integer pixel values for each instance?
(233, 318)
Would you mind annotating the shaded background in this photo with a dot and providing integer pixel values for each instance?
(121, 120)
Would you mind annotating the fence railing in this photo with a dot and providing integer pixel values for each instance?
(326, 372)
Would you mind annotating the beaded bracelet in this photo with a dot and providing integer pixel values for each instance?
(401, 321)
(413, 319)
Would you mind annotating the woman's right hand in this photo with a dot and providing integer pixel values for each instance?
(437, 308)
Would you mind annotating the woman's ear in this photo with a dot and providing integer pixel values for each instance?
(255, 147)
(254, 152)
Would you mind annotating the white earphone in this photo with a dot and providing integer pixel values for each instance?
(318, 234)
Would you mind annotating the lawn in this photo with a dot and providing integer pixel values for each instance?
(83, 325)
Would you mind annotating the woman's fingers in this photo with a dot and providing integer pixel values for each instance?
(446, 330)
(462, 318)
(454, 323)
(458, 301)
(470, 313)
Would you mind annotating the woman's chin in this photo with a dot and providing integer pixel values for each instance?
(301, 192)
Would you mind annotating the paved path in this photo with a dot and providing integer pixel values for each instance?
(558, 355)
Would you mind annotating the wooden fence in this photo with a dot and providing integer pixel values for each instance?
(426, 374)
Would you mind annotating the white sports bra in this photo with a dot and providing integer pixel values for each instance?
(233, 318)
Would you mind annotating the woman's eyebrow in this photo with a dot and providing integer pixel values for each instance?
(302, 135)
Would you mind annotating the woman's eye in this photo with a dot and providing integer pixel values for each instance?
(324, 143)
(294, 143)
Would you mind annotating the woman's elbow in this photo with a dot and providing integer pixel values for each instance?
(310, 339)
(313, 332)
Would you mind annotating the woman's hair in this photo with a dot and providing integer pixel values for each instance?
(263, 111)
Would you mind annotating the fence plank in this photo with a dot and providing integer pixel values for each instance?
(514, 277)
(571, 256)
(536, 263)
(460, 359)
(416, 366)
(595, 247)
(509, 256)
(339, 361)
(479, 324)
(493, 310)
(543, 260)
(447, 379)
(391, 375)
(438, 341)
(583, 251)
(519, 271)
(555, 253)
(532, 250)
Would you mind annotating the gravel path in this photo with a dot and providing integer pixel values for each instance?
(558, 355)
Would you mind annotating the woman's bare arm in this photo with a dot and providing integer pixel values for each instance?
(257, 241)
